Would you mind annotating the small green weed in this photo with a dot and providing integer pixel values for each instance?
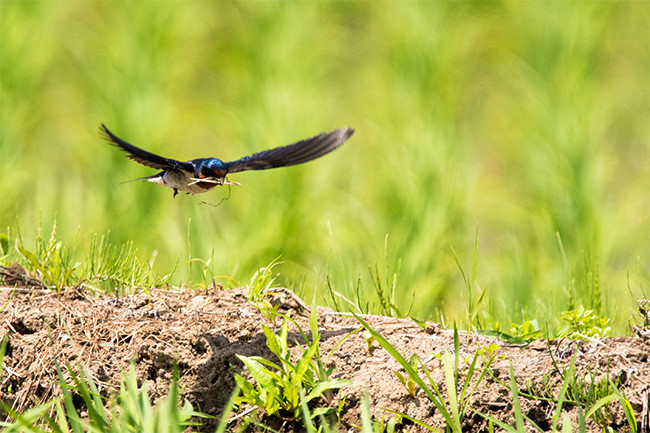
(381, 299)
(51, 260)
(520, 418)
(4, 244)
(130, 411)
(586, 393)
(525, 332)
(112, 268)
(105, 269)
(277, 387)
(575, 324)
(261, 281)
(474, 303)
(405, 380)
(368, 425)
(583, 324)
(258, 291)
(386, 294)
(591, 397)
(518, 333)
(454, 405)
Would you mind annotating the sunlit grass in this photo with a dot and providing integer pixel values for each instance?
(130, 410)
(100, 266)
(528, 120)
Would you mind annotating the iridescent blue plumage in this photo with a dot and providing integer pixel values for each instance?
(210, 167)
(203, 174)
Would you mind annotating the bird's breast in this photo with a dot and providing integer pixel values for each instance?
(182, 181)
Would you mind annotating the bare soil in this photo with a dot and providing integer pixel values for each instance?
(203, 331)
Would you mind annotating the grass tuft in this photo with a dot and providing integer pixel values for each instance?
(106, 268)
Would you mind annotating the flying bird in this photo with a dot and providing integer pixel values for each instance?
(203, 174)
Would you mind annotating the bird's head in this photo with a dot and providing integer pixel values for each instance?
(212, 167)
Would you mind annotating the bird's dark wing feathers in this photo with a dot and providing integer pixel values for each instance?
(293, 154)
(142, 156)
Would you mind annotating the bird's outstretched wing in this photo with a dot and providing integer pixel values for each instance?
(293, 154)
(142, 156)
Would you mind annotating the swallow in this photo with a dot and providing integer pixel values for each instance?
(203, 174)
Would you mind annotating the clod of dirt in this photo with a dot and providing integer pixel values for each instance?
(203, 331)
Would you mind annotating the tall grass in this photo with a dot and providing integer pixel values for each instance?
(528, 119)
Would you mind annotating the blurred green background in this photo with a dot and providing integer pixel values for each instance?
(528, 122)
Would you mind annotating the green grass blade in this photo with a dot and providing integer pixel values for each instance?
(627, 408)
(366, 421)
(306, 415)
(305, 365)
(561, 397)
(604, 401)
(414, 420)
(75, 422)
(413, 374)
(452, 384)
(326, 385)
(503, 425)
(519, 417)
(261, 375)
(227, 410)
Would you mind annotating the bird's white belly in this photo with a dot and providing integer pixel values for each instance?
(181, 181)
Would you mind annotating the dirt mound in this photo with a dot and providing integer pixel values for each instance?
(205, 330)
